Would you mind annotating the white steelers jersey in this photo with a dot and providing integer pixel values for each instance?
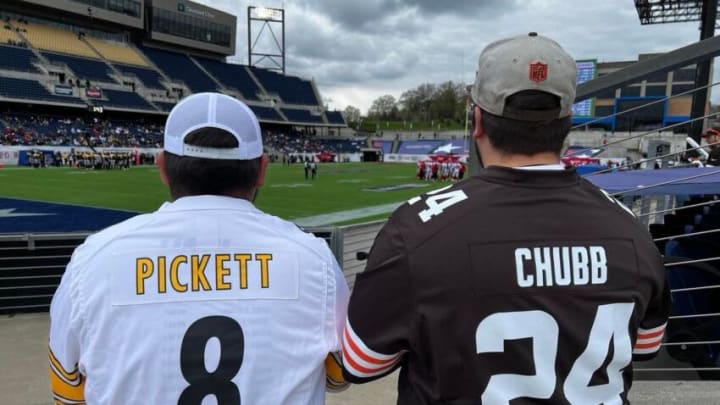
(207, 300)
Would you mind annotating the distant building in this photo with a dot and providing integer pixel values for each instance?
(653, 88)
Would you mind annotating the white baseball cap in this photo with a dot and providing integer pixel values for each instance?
(213, 110)
(527, 62)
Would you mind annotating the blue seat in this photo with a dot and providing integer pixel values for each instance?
(232, 76)
(149, 78)
(266, 113)
(163, 106)
(123, 99)
(32, 90)
(302, 116)
(86, 69)
(180, 67)
(19, 59)
(335, 117)
(292, 90)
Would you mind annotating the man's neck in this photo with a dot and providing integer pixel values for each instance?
(547, 158)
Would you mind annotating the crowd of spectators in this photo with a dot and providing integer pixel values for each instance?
(297, 142)
(35, 130)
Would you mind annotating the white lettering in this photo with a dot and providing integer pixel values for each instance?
(543, 267)
(561, 266)
(521, 255)
(598, 260)
(581, 271)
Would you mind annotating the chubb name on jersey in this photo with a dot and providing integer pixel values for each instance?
(193, 276)
(560, 266)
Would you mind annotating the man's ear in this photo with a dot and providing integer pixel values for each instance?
(477, 123)
(160, 159)
(263, 169)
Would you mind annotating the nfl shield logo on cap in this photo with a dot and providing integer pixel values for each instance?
(538, 71)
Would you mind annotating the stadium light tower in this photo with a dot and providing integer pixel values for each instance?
(672, 11)
(271, 56)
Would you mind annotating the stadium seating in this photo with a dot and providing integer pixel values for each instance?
(149, 78)
(302, 116)
(180, 67)
(232, 76)
(55, 39)
(20, 59)
(117, 52)
(123, 99)
(335, 117)
(266, 113)
(292, 90)
(86, 69)
(164, 106)
(7, 35)
(31, 90)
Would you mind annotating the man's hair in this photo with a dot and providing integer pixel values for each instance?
(188, 176)
(528, 138)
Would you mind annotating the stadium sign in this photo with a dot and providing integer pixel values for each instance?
(93, 92)
(63, 90)
(185, 8)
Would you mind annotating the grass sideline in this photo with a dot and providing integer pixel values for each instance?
(339, 187)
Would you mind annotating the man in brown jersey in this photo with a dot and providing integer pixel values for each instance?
(488, 291)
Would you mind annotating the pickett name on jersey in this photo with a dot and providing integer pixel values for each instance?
(228, 271)
(560, 266)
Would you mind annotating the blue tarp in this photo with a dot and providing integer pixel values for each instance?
(688, 181)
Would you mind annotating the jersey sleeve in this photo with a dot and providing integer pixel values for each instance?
(380, 311)
(651, 329)
(66, 381)
(338, 295)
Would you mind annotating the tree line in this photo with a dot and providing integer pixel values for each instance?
(444, 102)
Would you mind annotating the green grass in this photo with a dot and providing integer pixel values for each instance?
(287, 194)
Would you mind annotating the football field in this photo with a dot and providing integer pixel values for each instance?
(343, 193)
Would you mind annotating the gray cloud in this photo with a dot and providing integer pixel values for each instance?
(359, 50)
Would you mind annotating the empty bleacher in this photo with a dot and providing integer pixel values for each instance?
(181, 67)
(86, 69)
(292, 90)
(8, 35)
(123, 99)
(31, 90)
(163, 106)
(235, 76)
(335, 117)
(19, 59)
(117, 52)
(266, 113)
(149, 78)
(56, 39)
(301, 116)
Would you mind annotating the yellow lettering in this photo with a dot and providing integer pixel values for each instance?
(174, 279)
(221, 271)
(162, 288)
(242, 260)
(199, 263)
(143, 271)
(264, 259)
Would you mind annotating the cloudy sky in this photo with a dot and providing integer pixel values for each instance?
(357, 51)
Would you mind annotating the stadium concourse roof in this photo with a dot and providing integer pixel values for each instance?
(668, 11)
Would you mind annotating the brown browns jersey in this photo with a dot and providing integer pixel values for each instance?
(515, 285)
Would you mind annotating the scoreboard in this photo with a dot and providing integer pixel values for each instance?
(586, 71)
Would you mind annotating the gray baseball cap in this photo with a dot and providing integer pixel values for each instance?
(528, 62)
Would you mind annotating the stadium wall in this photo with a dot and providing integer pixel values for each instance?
(82, 8)
(183, 10)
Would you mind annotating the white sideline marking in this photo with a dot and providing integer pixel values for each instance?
(342, 216)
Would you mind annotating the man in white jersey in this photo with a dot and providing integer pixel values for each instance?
(205, 297)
